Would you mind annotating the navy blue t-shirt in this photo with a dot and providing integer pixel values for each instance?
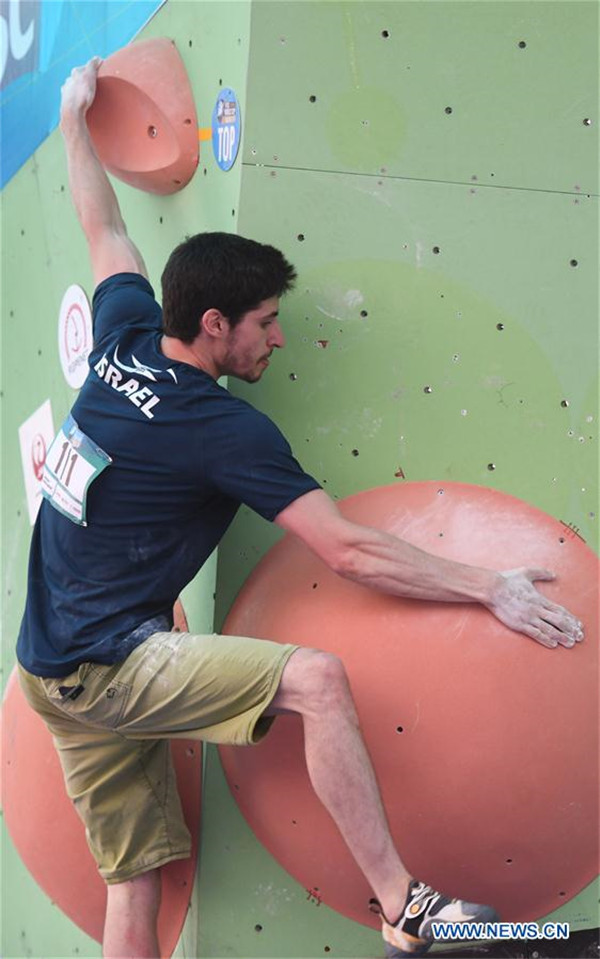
(185, 454)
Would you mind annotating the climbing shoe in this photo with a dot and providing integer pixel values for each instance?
(412, 933)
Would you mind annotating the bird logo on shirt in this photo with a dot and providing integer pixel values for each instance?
(140, 369)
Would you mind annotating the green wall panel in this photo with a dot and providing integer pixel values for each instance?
(445, 322)
(517, 113)
(43, 252)
(249, 906)
(426, 382)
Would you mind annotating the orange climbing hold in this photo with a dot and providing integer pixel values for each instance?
(143, 120)
(484, 742)
(50, 836)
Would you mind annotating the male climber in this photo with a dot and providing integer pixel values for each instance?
(145, 476)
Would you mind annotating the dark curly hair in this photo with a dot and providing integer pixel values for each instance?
(219, 271)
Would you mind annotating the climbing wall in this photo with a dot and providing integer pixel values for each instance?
(43, 255)
(431, 169)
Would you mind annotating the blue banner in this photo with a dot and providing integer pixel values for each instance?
(40, 43)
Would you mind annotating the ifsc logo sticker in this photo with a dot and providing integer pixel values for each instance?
(75, 335)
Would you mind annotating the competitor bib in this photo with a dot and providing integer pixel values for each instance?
(72, 464)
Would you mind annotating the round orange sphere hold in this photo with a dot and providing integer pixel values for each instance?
(484, 742)
(50, 837)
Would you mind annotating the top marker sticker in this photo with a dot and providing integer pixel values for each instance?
(226, 128)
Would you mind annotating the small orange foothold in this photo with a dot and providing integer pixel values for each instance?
(143, 120)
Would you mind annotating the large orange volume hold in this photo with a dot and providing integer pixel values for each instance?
(143, 120)
(484, 742)
(50, 836)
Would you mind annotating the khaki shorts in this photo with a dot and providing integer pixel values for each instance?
(112, 738)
